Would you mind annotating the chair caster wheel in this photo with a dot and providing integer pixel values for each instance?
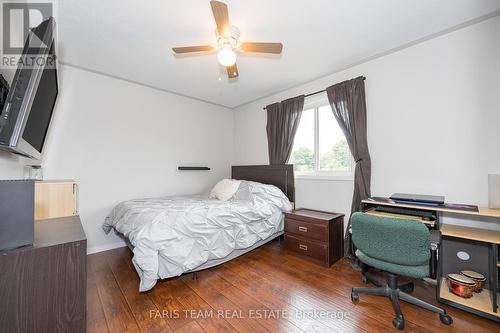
(399, 322)
(354, 297)
(445, 319)
(364, 279)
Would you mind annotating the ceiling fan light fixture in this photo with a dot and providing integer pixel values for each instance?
(228, 42)
(226, 56)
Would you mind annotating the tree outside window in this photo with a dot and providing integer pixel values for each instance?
(320, 147)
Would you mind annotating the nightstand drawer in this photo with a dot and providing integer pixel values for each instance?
(311, 249)
(307, 230)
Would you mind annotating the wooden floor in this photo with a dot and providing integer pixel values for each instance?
(267, 290)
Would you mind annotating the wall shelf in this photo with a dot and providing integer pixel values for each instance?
(192, 168)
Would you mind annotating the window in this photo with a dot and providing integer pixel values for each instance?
(320, 148)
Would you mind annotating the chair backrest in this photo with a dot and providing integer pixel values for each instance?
(393, 240)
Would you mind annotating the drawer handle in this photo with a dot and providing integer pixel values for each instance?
(303, 229)
(303, 247)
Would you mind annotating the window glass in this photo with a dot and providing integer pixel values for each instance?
(320, 147)
(303, 157)
(334, 152)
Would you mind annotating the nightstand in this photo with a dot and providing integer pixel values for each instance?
(315, 235)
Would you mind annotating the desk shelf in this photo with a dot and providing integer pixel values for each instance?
(482, 245)
(430, 223)
(480, 302)
(482, 211)
(476, 234)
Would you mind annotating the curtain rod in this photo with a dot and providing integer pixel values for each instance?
(315, 93)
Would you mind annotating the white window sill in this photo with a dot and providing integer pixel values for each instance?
(329, 177)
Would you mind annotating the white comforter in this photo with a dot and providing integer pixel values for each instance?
(173, 235)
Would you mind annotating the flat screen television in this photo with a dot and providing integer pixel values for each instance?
(26, 114)
(4, 91)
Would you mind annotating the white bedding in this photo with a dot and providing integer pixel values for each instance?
(173, 235)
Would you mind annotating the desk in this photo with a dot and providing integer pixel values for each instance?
(482, 245)
(431, 224)
(483, 211)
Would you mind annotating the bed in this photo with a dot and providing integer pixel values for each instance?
(171, 236)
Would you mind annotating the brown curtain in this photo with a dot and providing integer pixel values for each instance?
(347, 100)
(282, 122)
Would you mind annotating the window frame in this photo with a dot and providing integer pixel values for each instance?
(315, 102)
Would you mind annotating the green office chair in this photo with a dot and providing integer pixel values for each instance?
(399, 247)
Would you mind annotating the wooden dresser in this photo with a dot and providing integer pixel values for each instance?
(43, 287)
(315, 235)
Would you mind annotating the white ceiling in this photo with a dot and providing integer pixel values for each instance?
(133, 39)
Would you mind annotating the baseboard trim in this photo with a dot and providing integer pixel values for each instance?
(106, 247)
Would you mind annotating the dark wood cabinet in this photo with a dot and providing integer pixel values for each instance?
(43, 287)
(315, 235)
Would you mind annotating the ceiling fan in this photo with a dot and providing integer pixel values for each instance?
(228, 43)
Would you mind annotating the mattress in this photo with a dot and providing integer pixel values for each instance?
(174, 235)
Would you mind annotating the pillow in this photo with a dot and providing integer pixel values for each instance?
(225, 189)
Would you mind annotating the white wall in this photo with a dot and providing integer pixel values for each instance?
(433, 120)
(11, 166)
(121, 141)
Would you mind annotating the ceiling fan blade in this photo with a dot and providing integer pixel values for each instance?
(232, 71)
(274, 48)
(189, 49)
(221, 16)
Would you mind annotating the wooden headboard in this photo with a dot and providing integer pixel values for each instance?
(280, 176)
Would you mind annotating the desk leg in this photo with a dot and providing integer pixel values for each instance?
(439, 270)
(492, 275)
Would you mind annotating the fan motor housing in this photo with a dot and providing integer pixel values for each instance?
(232, 37)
